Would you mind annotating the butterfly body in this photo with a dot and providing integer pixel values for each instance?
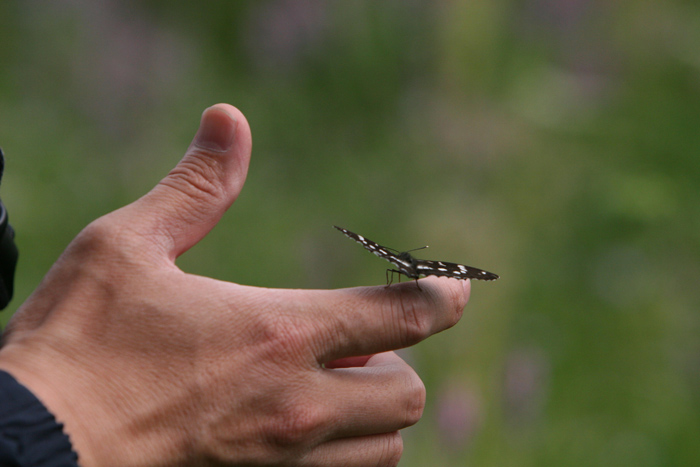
(415, 268)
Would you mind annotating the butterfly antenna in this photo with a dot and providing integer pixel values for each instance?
(421, 248)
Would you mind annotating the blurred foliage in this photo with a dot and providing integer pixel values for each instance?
(555, 143)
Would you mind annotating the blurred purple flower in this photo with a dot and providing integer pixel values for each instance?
(285, 31)
(459, 414)
(526, 383)
(563, 15)
(113, 58)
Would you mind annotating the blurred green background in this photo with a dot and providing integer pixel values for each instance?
(556, 143)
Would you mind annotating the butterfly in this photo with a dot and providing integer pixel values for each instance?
(414, 268)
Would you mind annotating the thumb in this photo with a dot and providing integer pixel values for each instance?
(191, 199)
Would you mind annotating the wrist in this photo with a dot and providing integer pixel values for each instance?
(29, 433)
(93, 416)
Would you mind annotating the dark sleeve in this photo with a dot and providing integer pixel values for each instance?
(29, 435)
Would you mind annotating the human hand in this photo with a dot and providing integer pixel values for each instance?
(147, 365)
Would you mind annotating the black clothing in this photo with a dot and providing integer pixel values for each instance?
(30, 436)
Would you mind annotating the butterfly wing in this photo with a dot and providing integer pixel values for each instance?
(376, 248)
(458, 271)
(414, 268)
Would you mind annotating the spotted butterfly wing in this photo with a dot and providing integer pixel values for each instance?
(457, 271)
(414, 268)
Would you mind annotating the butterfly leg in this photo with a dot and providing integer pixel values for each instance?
(417, 284)
(390, 280)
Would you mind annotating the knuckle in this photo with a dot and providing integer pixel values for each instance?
(282, 341)
(106, 243)
(392, 450)
(102, 238)
(416, 323)
(415, 400)
(197, 177)
(296, 426)
(440, 309)
(95, 237)
(280, 335)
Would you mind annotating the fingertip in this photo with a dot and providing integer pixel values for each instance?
(217, 130)
(448, 294)
(221, 126)
(466, 289)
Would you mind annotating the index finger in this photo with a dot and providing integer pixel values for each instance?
(368, 320)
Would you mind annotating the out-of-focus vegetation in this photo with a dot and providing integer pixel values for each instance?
(556, 143)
